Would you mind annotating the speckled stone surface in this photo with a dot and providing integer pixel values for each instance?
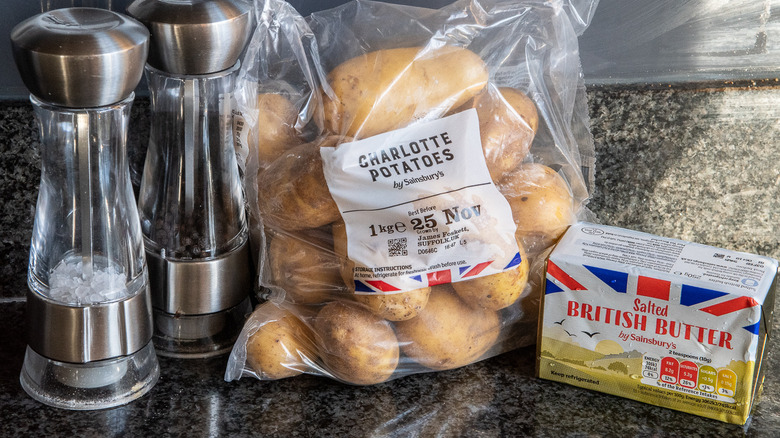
(695, 164)
(498, 397)
(19, 175)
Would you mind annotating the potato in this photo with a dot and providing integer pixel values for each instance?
(275, 127)
(497, 291)
(356, 345)
(448, 333)
(305, 266)
(278, 348)
(541, 201)
(507, 124)
(520, 105)
(388, 89)
(397, 306)
(292, 192)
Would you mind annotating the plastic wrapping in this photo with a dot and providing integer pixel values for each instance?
(407, 171)
(662, 41)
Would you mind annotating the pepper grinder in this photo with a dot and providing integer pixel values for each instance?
(89, 311)
(190, 200)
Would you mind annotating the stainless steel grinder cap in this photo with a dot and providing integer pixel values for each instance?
(80, 57)
(194, 37)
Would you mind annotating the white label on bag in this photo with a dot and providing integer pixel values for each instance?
(420, 207)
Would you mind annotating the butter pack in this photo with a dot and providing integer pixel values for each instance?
(658, 320)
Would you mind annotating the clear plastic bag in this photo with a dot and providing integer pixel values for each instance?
(407, 171)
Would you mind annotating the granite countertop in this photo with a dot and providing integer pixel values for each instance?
(694, 163)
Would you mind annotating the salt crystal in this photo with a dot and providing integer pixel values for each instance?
(70, 285)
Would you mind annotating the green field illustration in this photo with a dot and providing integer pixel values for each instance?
(606, 367)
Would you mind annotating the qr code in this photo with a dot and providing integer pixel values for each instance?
(397, 247)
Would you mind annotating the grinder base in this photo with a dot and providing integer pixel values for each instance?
(89, 386)
(198, 336)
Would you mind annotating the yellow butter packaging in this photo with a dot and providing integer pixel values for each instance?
(662, 321)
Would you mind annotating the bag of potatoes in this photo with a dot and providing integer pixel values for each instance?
(407, 170)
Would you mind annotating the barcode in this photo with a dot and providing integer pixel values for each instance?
(396, 247)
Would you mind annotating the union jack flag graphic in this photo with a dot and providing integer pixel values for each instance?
(433, 278)
(583, 278)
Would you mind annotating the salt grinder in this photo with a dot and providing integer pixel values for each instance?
(89, 311)
(190, 200)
